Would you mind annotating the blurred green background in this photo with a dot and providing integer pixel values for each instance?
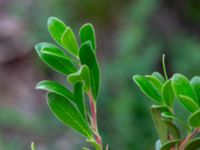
(131, 35)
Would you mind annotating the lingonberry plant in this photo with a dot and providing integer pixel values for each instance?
(80, 67)
(165, 93)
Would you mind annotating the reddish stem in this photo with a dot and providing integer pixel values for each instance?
(93, 110)
(188, 138)
(94, 119)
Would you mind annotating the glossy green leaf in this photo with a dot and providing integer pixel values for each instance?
(167, 93)
(69, 41)
(158, 76)
(193, 144)
(56, 28)
(55, 52)
(158, 122)
(87, 33)
(56, 60)
(83, 74)
(172, 129)
(157, 84)
(147, 88)
(88, 57)
(195, 82)
(54, 87)
(78, 94)
(181, 86)
(67, 113)
(169, 145)
(50, 47)
(194, 120)
(188, 103)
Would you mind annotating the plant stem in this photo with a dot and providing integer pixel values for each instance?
(94, 119)
(164, 67)
(188, 138)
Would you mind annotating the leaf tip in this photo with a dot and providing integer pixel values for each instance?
(135, 77)
(40, 84)
(40, 46)
(37, 87)
(51, 20)
(87, 25)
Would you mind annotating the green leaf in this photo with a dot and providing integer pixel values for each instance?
(56, 28)
(55, 87)
(67, 113)
(157, 84)
(158, 122)
(172, 129)
(158, 76)
(50, 47)
(83, 74)
(88, 57)
(194, 120)
(193, 144)
(87, 33)
(181, 86)
(69, 41)
(56, 60)
(147, 88)
(78, 94)
(169, 145)
(188, 103)
(195, 82)
(167, 93)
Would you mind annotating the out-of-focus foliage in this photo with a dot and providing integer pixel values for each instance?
(132, 36)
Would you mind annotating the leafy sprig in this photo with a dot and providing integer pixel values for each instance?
(80, 67)
(163, 92)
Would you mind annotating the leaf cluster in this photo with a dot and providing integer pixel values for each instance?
(78, 63)
(163, 92)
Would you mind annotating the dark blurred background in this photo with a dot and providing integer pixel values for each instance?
(131, 35)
